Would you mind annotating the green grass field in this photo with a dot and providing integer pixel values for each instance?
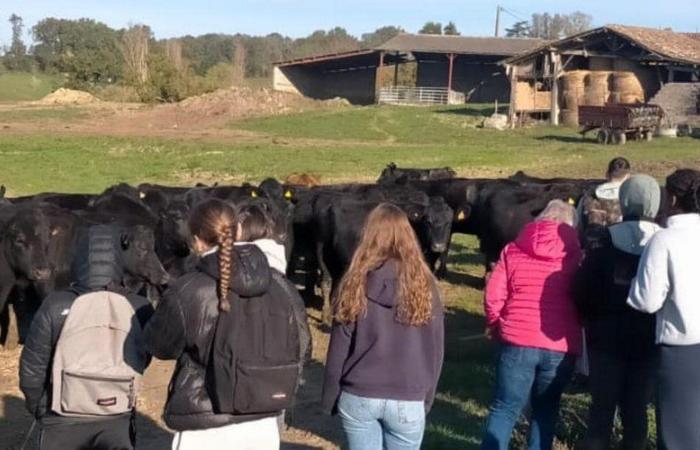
(22, 86)
(355, 144)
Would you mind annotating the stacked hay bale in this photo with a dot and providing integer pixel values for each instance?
(597, 89)
(626, 88)
(573, 92)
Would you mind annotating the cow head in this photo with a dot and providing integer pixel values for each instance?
(438, 221)
(139, 256)
(173, 232)
(26, 245)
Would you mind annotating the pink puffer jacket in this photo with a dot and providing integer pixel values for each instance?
(528, 298)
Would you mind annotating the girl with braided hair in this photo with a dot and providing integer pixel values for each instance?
(667, 284)
(184, 325)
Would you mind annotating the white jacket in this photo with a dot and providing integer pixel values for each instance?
(668, 281)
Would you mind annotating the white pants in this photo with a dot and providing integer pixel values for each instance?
(260, 434)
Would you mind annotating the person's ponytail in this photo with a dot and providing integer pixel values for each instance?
(225, 241)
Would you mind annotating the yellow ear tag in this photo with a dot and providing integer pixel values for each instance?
(461, 216)
(253, 194)
(142, 195)
(288, 195)
(572, 202)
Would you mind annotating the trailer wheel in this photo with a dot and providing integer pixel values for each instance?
(619, 137)
(603, 137)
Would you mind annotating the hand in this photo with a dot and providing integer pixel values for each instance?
(488, 333)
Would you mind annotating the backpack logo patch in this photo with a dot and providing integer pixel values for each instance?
(111, 401)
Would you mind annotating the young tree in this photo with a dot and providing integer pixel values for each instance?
(451, 29)
(519, 29)
(16, 56)
(431, 28)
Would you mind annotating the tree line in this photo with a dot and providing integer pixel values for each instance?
(551, 26)
(91, 55)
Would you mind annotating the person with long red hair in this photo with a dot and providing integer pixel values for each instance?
(386, 349)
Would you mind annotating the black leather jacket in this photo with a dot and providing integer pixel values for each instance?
(183, 327)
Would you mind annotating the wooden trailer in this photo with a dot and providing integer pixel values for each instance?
(618, 122)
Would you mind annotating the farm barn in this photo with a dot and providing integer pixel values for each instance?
(449, 69)
(610, 64)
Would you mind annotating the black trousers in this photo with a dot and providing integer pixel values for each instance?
(112, 434)
(678, 408)
(624, 383)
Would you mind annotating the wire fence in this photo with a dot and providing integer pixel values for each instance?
(404, 95)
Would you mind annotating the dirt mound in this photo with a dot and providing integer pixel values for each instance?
(63, 96)
(238, 102)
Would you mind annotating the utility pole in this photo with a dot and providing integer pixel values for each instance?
(498, 19)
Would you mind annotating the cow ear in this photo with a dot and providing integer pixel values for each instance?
(125, 241)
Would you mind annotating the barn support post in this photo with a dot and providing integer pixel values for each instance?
(556, 68)
(378, 77)
(512, 72)
(449, 76)
(396, 70)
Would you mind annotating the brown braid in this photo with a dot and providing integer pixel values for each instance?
(214, 221)
(225, 241)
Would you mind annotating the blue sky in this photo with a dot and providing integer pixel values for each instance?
(301, 17)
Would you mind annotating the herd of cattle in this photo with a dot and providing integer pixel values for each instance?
(319, 226)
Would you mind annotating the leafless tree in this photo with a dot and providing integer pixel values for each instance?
(134, 49)
(173, 48)
(239, 61)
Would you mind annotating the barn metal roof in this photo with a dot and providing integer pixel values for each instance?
(466, 45)
(669, 45)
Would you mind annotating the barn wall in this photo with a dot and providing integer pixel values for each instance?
(482, 83)
(355, 85)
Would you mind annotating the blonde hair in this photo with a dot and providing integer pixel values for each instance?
(559, 211)
(387, 234)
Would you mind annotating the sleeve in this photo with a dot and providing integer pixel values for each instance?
(338, 351)
(497, 291)
(35, 361)
(439, 342)
(164, 334)
(144, 312)
(651, 286)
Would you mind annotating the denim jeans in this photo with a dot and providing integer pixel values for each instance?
(376, 424)
(527, 374)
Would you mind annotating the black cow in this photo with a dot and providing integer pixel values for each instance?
(392, 174)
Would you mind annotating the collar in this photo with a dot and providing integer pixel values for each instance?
(684, 220)
(211, 251)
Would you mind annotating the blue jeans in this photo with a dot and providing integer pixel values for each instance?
(527, 374)
(376, 424)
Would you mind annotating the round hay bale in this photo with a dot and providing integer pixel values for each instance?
(598, 80)
(571, 99)
(596, 97)
(627, 82)
(631, 98)
(615, 97)
(574, 80)
(569, 117)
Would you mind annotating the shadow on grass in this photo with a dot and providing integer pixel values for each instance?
(466, 385)
(579, 139)
(479, 110)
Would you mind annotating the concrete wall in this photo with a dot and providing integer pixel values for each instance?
(482, 83)
(355, 85)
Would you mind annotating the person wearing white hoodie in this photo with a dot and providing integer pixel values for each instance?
(255, 227)
(668, 285)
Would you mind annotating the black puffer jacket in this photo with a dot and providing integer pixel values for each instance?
(97, 266)
(183, 327)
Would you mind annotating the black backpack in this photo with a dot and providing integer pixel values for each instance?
(255, 362)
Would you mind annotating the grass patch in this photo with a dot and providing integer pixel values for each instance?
(23, 86)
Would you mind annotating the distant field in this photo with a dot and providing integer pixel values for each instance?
(345, 145)
(24, 86)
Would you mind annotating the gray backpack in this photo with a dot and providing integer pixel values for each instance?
(99, 358)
